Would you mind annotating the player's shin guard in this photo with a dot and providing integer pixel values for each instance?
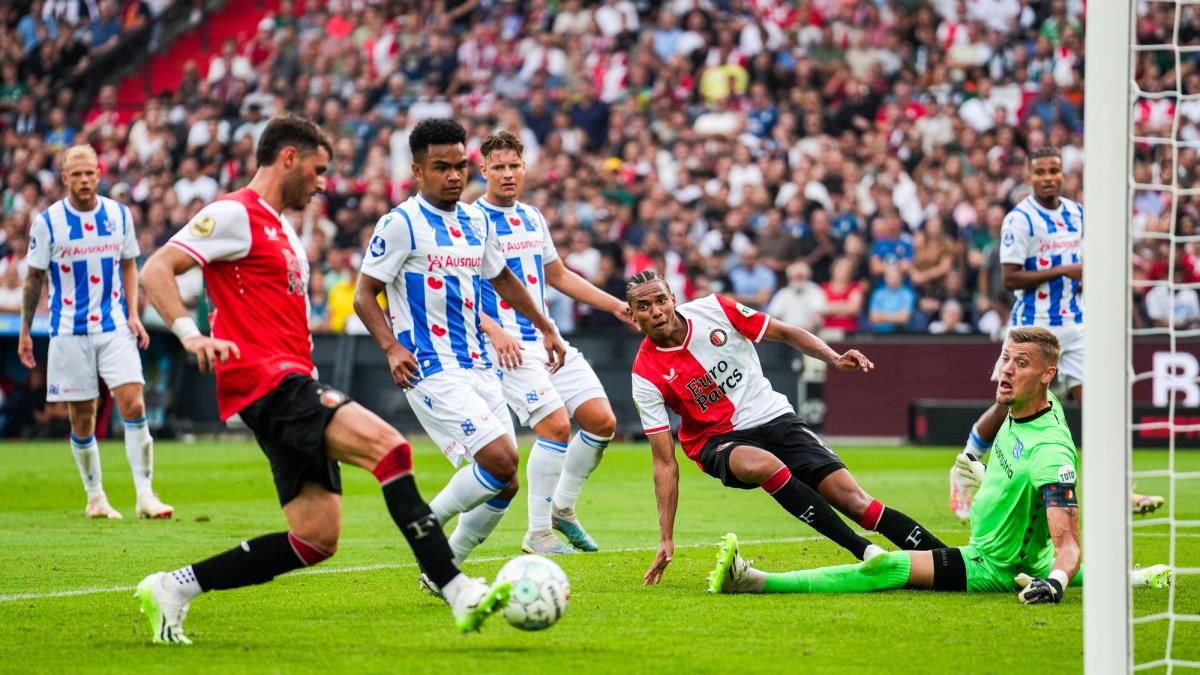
(469, 487)
(257, 561)
(87, 458)
(413, 516)
(883, 572)
(583, 456)
(139, 450)
(542, 472)
(898, 528)
(475, 525)
(806, 504)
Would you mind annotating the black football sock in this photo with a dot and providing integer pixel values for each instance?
(414, 517)
(898, 528)
(255, 561)
(806, 504)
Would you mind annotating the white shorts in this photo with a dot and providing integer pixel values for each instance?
(1070, 359)
(462, 411)
(75, 361)
(573, 385)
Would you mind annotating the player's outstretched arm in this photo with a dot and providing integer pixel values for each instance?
(129, 279)
(401, 362)
(158, 278)
(813, 346)
(1063, 520)
(666, 492)
(581, 290)
(30, 297)
(514, 293)
(1017, 278)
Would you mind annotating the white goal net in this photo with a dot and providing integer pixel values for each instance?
(1142, 271)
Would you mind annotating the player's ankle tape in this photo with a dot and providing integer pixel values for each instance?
(870, 518)
(396, 463)
(308, 553)
(777, 480)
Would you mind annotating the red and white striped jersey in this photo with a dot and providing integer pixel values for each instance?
(713, 381)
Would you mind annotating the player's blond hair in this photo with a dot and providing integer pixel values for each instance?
(1046, 342)
(82, 151)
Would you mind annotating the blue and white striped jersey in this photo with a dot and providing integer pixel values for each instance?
(435, 263)
(82, 253)
(1036, 239)
(525, 240)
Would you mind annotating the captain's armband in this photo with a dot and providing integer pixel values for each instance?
(1059, 495)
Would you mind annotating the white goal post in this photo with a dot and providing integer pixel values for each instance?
(1107, 631)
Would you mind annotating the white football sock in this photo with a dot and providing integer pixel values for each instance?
(87, 458)
(469, 487)
(182, 583)
(139, 450)
(542, 471)
(455, 586)
(583, 456)
(474, 526)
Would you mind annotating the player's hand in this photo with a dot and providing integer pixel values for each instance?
(625, 316)
(853, 360)
(666, 549)
(508, 350)
(210, 350)
(25, 350)
(139, 332)
(556, 349)
(403, 366)
(968, 471)
(1038, 591)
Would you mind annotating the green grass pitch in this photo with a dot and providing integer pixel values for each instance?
(361, 611)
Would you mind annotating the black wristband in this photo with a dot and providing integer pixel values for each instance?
(1058, 589)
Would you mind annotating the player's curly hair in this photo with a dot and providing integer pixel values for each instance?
(501, 140)
(644, 277)
(290, 130)
(1044, 151)
(434, 131)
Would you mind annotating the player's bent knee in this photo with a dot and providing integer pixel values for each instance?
(605, 427)
(556, 426)
(511, 491)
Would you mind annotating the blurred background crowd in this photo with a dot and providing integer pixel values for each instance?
(844, 164)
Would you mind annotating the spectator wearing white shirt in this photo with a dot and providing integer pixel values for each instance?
(800, 303)
(615, 17)
(194, 185)
(1179, 310)
(229, 62)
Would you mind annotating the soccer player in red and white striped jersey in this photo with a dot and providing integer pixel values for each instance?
(699, 360)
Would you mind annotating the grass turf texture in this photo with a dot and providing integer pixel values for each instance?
(361, 611)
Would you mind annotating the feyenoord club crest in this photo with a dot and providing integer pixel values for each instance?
(718, 337)
(331, 398)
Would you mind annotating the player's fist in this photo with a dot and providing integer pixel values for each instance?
(853, 360)
(968, 471)
(209, 351)
(1038, 591)
(403, 366)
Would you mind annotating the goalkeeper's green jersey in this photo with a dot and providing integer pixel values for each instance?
(1008, 517)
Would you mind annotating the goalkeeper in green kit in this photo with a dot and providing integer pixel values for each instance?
(1024, 521)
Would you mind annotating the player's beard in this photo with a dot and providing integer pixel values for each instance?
(294, 192)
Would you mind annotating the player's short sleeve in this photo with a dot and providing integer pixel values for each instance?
(220, 231)
(747, 321)
(39, 243)
(1053, 463)
(650, 406)
(549, 251)
(1015, 236)
(493, 254)
(129, 242)
(390, 245)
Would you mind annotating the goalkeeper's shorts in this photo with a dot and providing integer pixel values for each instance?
(985, 575)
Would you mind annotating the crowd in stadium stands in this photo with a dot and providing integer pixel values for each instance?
(844, 164)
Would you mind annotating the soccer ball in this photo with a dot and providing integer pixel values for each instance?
(540, 591)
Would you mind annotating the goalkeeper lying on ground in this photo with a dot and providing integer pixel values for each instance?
(1024, 522)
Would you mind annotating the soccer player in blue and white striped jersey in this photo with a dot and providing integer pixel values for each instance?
(86, 244)
(1040, 248)
(432, 255)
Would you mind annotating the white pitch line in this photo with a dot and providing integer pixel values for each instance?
(495, 558)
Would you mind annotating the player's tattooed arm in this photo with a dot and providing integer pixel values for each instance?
(666, 492)
(813, 346)
(29, 301)
(577, 288)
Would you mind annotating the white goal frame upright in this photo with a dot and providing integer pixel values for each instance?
(1107, 550)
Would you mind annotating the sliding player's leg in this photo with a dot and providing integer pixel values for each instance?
(844, 493)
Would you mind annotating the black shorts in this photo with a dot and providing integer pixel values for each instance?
(289, 424)
(787, 437)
